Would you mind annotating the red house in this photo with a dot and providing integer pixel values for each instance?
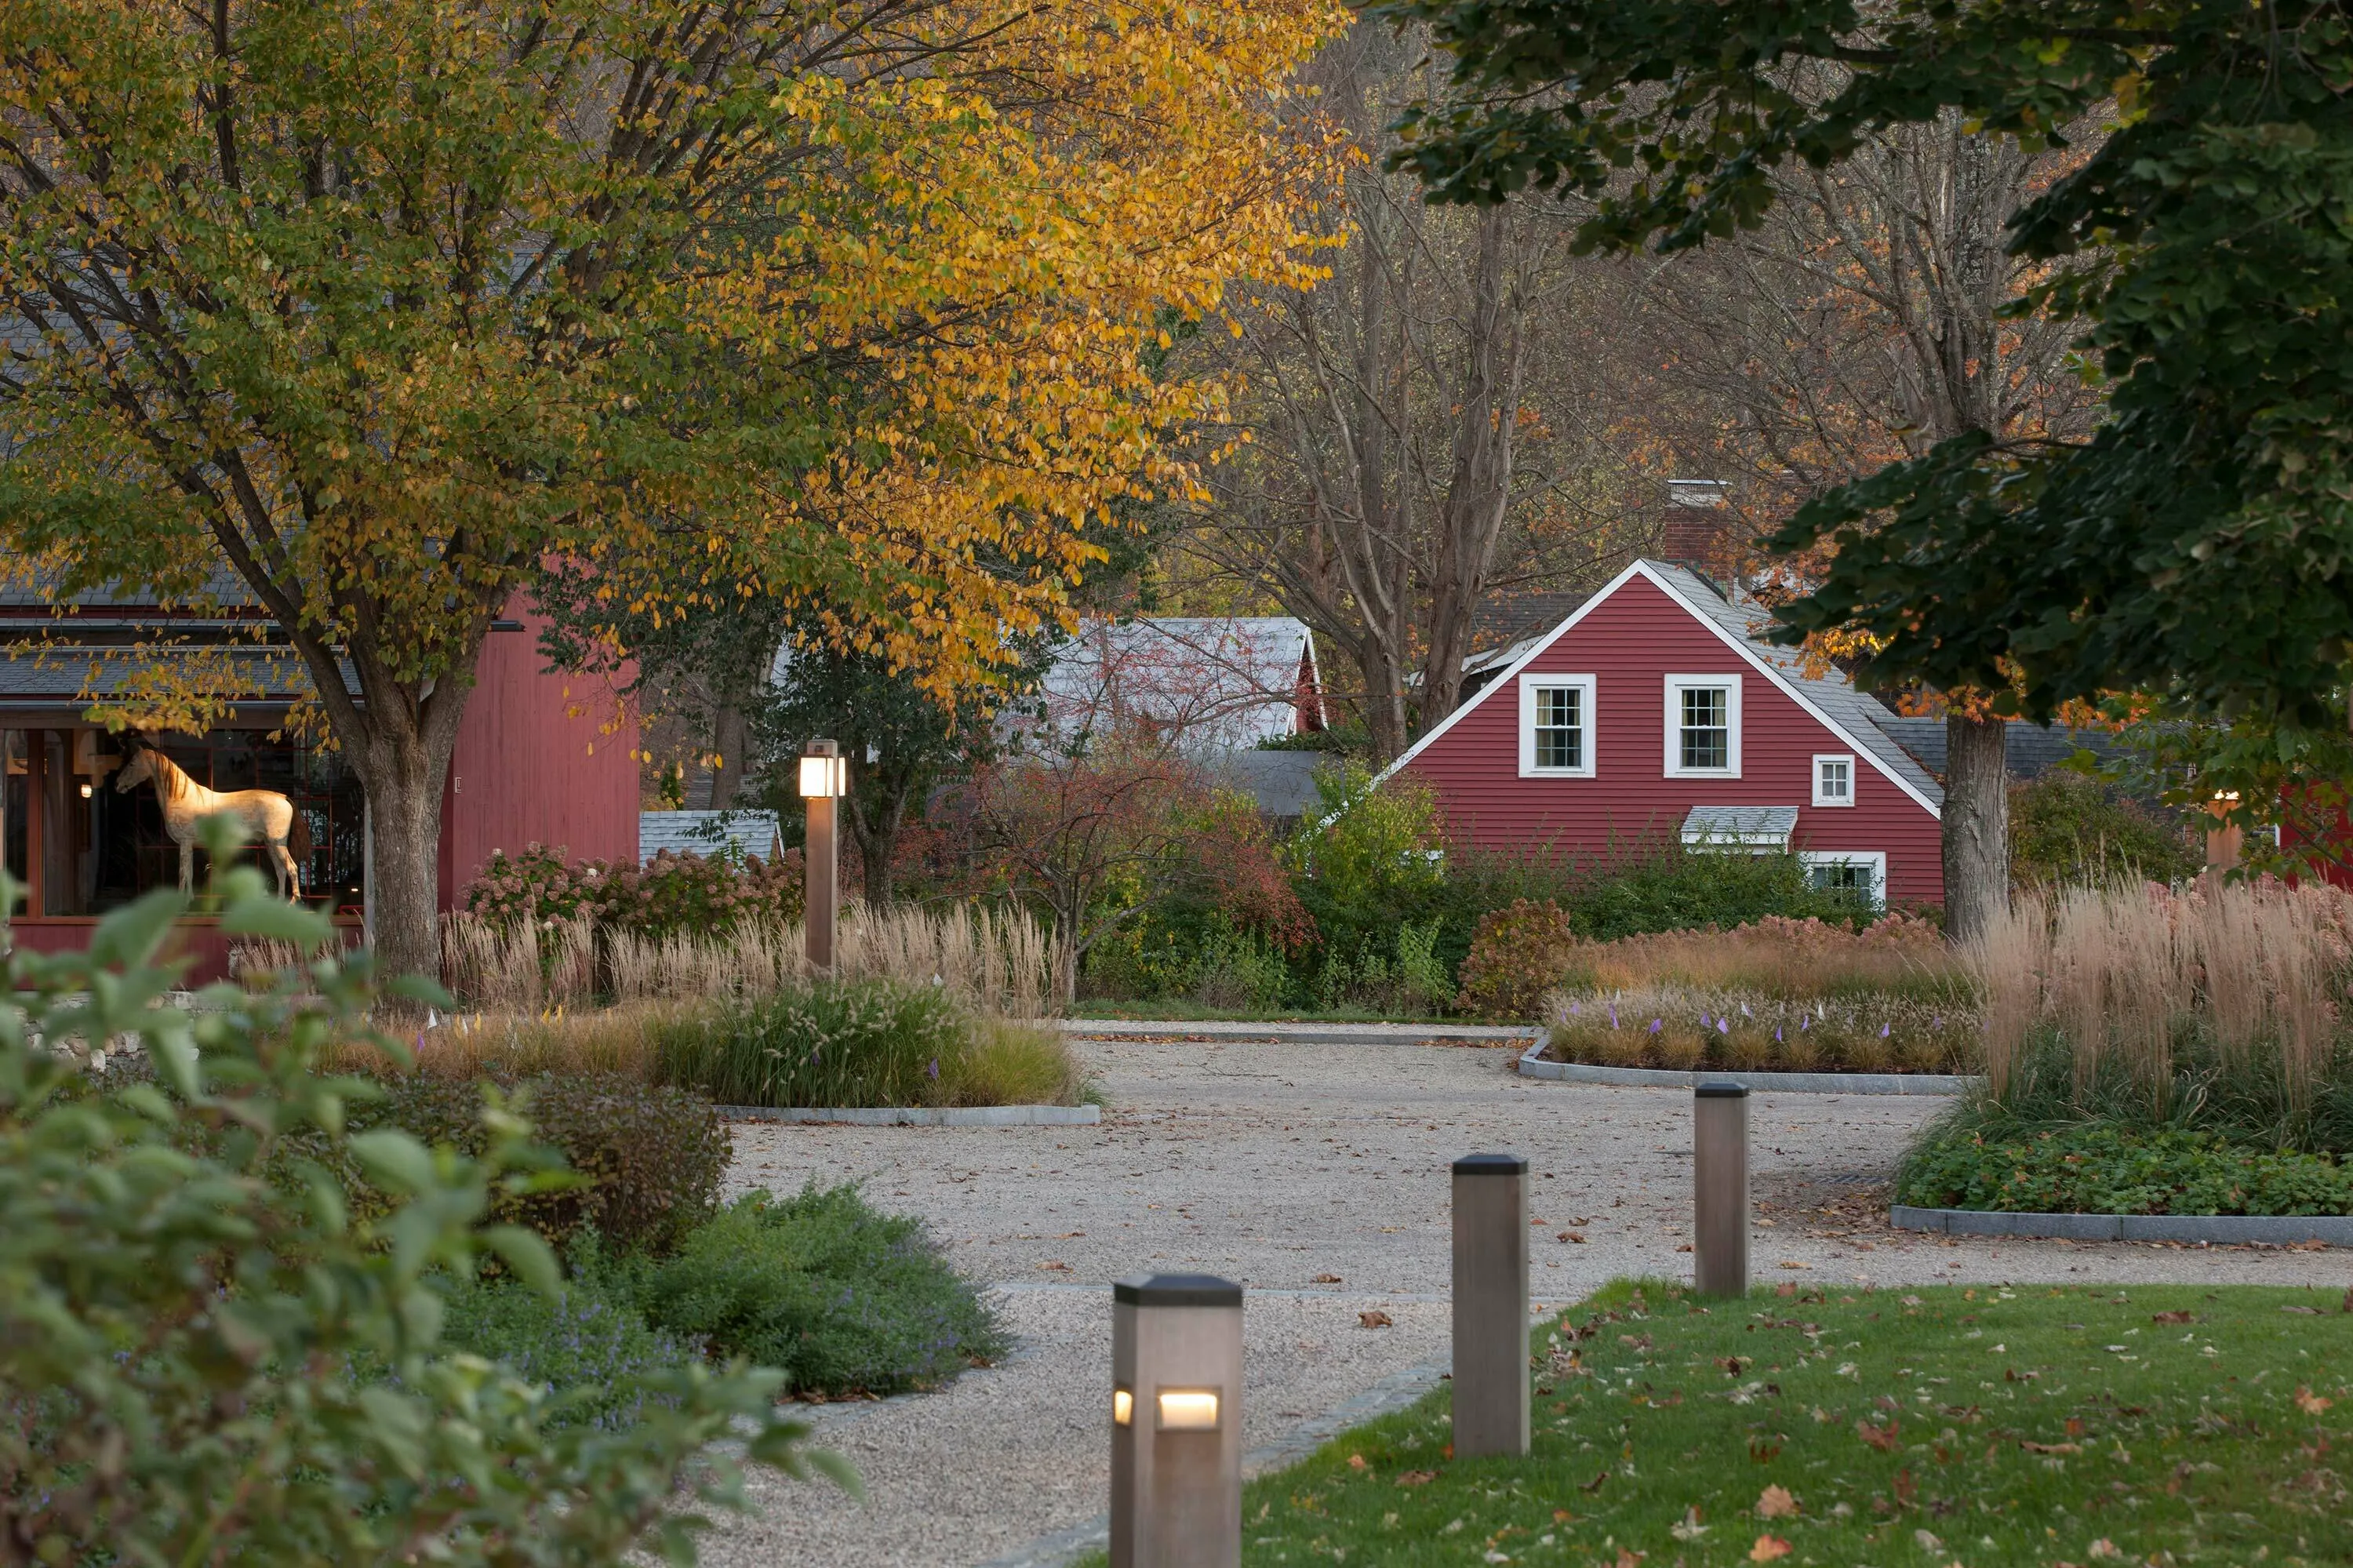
(1655, 708)
(539, 758)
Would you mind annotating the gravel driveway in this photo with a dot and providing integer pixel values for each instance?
(1316, 1175)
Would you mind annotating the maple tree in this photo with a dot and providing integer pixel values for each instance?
(383, 311)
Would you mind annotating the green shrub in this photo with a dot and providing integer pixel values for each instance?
(1006, 1063)
(653, 1156)
(1519, 954)
(669, 895)
(1364, 859)
(2067, 828)
(2103, 1169)
(830, 1043)
(178, 1333)
(591, 1343)
(843, 1296)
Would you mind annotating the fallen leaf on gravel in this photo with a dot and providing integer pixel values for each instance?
(1069, 1235)
(1417, 1478)
(1775, 1502)
(1793, 1263)
(1056, 1263)
(2173, 1318)
(1685, 1247)
(2310, 1403)
(1883, 1438)
(1572, 1237)
(1376, 1319)
(1327, 1279)
(1767, 1548)
(1356, 1461)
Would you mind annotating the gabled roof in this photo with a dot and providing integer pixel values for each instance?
(1831, 697)
(706, 833)
(1207, 680)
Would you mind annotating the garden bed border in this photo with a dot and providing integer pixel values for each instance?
(2217, 1230)
(1299, 1031)
(1533, 1066)
(921, 1115)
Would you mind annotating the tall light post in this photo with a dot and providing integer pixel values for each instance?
(825, 779)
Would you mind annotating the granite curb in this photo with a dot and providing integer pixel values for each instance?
(1300, 1034)
(1533, 1065)
(921, 1115)
(2216, 1230)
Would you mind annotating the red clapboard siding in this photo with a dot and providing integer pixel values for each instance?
(1629, 643)
(530, 769)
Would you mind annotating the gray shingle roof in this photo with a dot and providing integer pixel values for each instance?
(1858, 714)
(2035, 749)
(34, 673)
(706, 833)
(1765, 825)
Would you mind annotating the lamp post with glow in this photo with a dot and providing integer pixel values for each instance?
(825, 779)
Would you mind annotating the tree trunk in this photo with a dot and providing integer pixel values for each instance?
(403, 776)
(731, 740)
(1977, 826)
(876, 834)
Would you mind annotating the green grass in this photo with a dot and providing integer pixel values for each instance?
(2010, 1425)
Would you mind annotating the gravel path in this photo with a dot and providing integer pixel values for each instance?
(1283, 1166)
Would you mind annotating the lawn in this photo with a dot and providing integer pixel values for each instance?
(2008, 1425)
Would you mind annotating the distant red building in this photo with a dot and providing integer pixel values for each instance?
(1654, 708)
(540, 757)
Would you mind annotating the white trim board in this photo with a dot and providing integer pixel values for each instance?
(1781, 682)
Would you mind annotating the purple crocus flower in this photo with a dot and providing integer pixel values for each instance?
(1882, 1032)
(1613, 1016)
(1654, 1024)
(1723, 1026)
(1804, 1024)
(1777, 1034)
(933, 1070)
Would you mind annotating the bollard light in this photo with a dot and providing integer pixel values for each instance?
(825, 779)
(1720, 1189)
(1491, 1305)
(1176, 1472)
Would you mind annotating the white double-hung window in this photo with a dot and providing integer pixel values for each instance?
(1555, 726)
(1702, 727)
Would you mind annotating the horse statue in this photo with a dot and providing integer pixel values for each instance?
(265, 814)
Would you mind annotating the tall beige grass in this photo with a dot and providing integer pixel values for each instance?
(2120, 969)
(999, 963)
(1780, 956)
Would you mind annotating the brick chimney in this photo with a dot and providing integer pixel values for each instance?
(1695, 531)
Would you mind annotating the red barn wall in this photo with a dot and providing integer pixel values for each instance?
(1629, 643)
(536, 762)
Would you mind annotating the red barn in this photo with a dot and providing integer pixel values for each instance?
(1654, 708)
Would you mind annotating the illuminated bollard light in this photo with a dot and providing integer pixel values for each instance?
(1177, 1422)
(1491, 1305)
(1720, 1189)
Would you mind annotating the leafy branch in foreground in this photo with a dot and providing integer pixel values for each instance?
(180, 1322)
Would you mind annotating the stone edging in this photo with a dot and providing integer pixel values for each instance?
(2220, 1230)
(1299, 1034)
(921, 1115)
(1533, 1065)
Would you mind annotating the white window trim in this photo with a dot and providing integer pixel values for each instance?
(1583, 685)
(1677, 686)
(1875, 859)
(1845, 756)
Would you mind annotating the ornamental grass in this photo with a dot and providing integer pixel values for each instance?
(1688, 1029)
(2214, 1009)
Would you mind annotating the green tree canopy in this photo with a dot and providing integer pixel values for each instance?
(2196, 543)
